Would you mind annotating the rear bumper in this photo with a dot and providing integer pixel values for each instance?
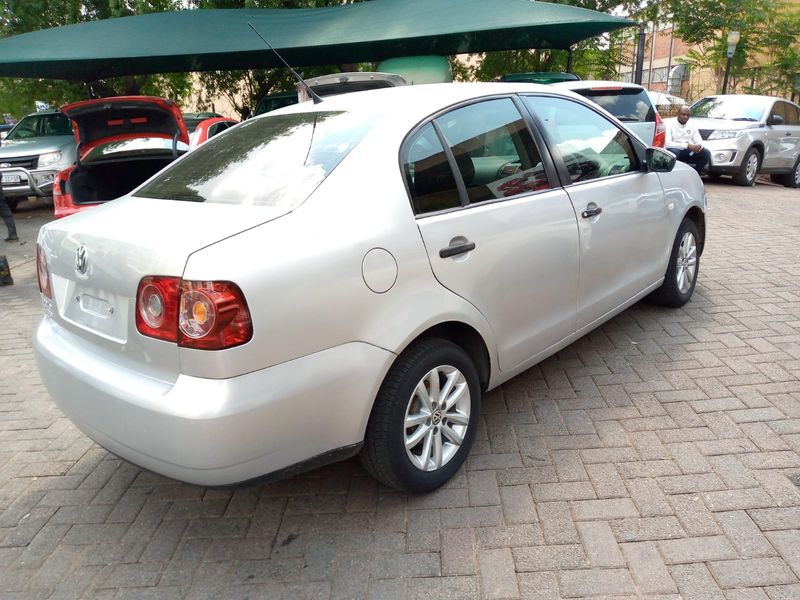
(31, 183)
(215, 431)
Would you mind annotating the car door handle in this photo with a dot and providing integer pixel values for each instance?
(457, 249)
(591, 212)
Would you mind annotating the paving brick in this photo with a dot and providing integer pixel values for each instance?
(517, 504)
(458, 552)
(647, 529)
(648, 569)
(648, 497)
(731, 470)
(600, 545)
(787, 543)
(737, 499)
(483, 488)
(549, 558)
(557, 525)
(595, 582)
(498, 578)
(606, 481)
(697, 549)
(696, 583)
(549, 492)
(770, 519)
(777, 485)
(529, 534)
(693, 514)
(687, 484)
(539, 586)
(603, 510)
(744, 534)
(753, 572)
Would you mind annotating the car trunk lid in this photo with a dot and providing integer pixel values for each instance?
(97, 258)
(105, 120)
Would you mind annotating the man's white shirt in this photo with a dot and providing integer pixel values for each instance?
(679, 136)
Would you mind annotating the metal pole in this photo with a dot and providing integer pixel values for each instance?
(637, 74)
(727, 72)
(669, 59)
(652, 53)
(569, 60)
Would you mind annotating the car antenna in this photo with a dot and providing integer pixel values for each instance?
(311, 92)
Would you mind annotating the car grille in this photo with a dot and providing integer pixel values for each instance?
(704, 133)
(26, 162)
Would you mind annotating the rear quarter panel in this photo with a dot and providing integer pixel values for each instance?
(302, 273)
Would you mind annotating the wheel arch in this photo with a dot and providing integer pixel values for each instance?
(697, 216)
(467, 338)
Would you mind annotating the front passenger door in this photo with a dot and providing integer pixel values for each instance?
(622, 217)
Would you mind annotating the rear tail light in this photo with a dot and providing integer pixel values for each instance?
(43, 272)
(660, 136)
(207, 315)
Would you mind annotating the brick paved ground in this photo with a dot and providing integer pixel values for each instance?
(658, 457)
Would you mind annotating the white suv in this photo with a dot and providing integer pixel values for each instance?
(748, 135)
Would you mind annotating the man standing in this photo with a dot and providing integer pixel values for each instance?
(8, 218)
(685, 141)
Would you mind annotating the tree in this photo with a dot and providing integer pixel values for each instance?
(21, 16)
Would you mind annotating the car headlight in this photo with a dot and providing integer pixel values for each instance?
(725, 134)
(49, 158)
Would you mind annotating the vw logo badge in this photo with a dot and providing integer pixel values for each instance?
(81, 259)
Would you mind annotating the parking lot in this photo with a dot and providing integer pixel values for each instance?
(657, 457)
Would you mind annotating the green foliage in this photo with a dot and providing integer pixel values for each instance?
(17, 96)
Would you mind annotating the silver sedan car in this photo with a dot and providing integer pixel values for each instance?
(351, 276)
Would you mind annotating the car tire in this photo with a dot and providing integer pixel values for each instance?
(792, 179)
(751, 163)
(408, 432)
(682, 270)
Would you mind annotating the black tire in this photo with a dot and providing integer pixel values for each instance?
(670, 294)
(742, 177)
(384, 454)
(791, 180)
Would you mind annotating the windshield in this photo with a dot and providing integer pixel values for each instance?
(735, 108)
(269, 161)
(630, 105)
(32, 126)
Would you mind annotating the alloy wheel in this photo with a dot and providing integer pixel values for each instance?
(436, 418)
(751, 170)
(686, 262)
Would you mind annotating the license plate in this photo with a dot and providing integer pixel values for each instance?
(11, 178)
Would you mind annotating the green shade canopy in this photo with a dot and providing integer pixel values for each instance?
(203, 40)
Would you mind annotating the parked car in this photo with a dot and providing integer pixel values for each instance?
(207, 128)
(629, 102)
(539, 77)
(4, 129)
(351, 276)
(33, 152)
(123, 141)
(748, 135)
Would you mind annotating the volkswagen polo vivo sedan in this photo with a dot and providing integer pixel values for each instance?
(351, 276)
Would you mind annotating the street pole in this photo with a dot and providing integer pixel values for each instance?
(637, 74)
(733, 39)
(727, 73)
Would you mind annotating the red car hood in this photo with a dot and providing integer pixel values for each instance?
(125, 117)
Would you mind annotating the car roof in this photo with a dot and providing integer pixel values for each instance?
(587, 84)
(418, 99)
(753, 96)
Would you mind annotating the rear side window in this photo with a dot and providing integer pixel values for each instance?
(792, 114)
(630, 105)
(276, 160)
(492, 148)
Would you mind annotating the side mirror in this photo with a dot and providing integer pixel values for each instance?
(659, 160)
(776, 120)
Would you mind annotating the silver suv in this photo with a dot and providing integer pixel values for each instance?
(33, 152)
(748, 135)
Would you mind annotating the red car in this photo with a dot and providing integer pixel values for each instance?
(201, 128)
(122, 141)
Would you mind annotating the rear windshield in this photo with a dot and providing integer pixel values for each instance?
(627, 104)
(736, 108)
(274, 160)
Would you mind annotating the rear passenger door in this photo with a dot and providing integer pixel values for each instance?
(498, 229)
(625, 237)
